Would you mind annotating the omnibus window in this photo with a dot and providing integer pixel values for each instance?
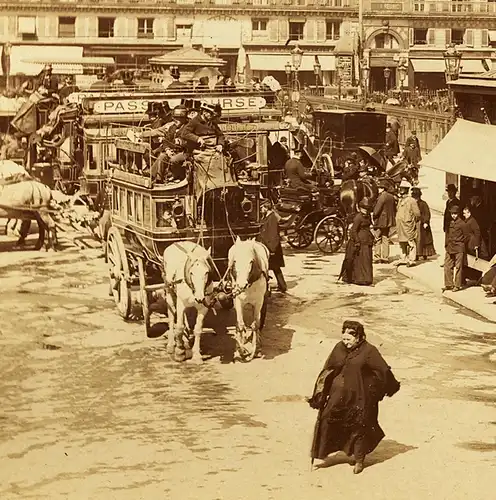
(90, 157)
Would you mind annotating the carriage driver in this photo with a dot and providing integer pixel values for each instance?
(295, 173)
(203, 130)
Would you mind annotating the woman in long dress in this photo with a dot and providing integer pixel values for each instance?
(425, 241)
(354, 379)
(357, 264)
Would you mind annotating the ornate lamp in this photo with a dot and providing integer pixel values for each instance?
(288, 68)
(452, 60)
(296, 57)
(402, 72)
(316, 70)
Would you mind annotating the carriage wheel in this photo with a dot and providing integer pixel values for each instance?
(330, 234)
(119, 273)
(302, 236)
(145, 303)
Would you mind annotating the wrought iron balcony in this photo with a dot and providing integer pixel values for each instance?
(435, 7)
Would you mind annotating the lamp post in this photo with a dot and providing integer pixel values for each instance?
(317, 69)
(387, 74)
(296, 58)
(365, 80)
(452, 60)
(402, 72)
(288, 70)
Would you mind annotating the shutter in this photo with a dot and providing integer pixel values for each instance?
(485, 38)
(170, 28)
(283, 30)
(53, 27)
(120, 27)
(3, 25)
(81, 27)
(447, 36)
(468, 38)
(273, 30)
(92, 26)
(431, 36)
(40, 26)
(132, 27)
(321, 30)
(159, 28)
(411, 35)
(12, 26)
(310, 30)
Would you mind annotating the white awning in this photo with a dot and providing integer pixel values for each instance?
(30, 59)
(452, 154)
(276, 62)
(439, 66)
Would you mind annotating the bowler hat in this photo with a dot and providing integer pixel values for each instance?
(382, 184)
(455, 209)
(365, 204)
(451, 188)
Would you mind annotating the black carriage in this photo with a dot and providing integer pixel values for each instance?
(146, 217)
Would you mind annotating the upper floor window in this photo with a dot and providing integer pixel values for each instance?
(106, 27)
(385, 41)
(184, 30)
(67, 27)
(296, 30)
(145, 27)
(259, 24)
(332, 30)
(457, 36)
(420, 36)
(26, 27)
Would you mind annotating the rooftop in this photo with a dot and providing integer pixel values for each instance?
(187, 56)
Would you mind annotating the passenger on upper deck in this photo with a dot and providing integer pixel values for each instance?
(176, 83)
(161, 122)
(203, 131)
(168, 147)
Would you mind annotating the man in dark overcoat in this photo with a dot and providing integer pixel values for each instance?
(456, 238)
(270, 237)
(392, 147)
(452, 201)
(412, 150)
(296, 174)
(384, 217)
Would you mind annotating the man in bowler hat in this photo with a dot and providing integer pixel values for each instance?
(384, 217)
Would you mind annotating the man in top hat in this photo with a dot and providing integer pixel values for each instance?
(455, 249)
(176, 83)
(384, 217)
(48, 80)
(296, 174)
(407, 216)
(412, 150)
(452, 201)
(392, 147)
(203, 130)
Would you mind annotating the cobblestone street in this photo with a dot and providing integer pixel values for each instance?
(94, 409)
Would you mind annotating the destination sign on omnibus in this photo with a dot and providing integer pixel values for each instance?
(139, 106)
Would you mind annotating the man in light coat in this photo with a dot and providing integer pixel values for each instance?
(407, 216)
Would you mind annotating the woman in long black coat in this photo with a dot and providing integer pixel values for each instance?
(354, 379)
(357, 264)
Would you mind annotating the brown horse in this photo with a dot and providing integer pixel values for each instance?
(353, 191)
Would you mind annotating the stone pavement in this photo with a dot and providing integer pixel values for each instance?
(430, 273)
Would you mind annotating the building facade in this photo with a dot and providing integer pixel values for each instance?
(132, 31)
(415, 32)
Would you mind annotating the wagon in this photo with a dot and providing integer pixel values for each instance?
(147, 217)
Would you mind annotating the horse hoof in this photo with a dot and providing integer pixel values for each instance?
(170, 349)
(189, 354)
(197, 360)
(179, 356)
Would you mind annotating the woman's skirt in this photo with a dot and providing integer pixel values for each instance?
(425, 242)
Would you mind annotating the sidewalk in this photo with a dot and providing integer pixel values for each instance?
(430, 272)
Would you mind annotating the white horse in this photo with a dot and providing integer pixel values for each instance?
(188, 277)
(249, 270)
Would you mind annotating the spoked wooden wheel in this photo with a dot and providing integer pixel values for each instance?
(145, 302)
(330, 234)
(301, 236)
(119, 273)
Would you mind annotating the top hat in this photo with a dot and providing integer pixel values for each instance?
(452, 188)
(205, 106)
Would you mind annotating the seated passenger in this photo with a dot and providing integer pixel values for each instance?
(297, 176)
(203, 130)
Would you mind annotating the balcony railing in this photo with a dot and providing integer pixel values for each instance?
(269, 4)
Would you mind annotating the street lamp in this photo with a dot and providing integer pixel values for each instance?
(365, 79)
(296, 57)
(452, 60)
(402, 72)
(317, 69)
(387, 74)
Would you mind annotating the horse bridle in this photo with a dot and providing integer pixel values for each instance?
(190, 262)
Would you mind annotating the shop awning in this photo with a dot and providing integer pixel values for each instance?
(276, 62)
(29, 59)
(439, 66)
(467, 149)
